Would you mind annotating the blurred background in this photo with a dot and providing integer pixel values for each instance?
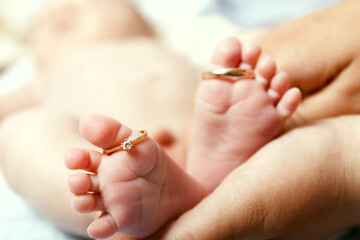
(190, 28)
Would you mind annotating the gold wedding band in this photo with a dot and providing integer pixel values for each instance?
(126, 145)
(232, 74)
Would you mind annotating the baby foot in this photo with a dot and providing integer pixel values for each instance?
(137, 191)
(234, 119)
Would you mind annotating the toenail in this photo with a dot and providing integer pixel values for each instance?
(283, 111)
(273, 94)
(261, 79)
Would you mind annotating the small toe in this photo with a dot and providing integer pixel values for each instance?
(103, 131)
(227, 53)
(81, 183)
(265, 70)
(87, 203)
(102, 227)
(279, 85)
(79, 159)
(250, 55)
(289, 102)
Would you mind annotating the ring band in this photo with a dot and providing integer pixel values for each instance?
(232, 74)
(126, 145)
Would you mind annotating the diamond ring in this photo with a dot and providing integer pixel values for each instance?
(126, 145)
(232, 74)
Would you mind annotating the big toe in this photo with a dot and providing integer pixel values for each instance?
(103, 131)
(227, 53)
(231, 53)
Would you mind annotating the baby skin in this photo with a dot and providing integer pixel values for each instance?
(139, 190)
(235, 119)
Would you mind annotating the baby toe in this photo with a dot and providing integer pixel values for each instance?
(289, 102)
(279, 85)
(102, 227)
(227, 53)
(82, 183)
(76, 159)
(87, 203)
(79, 183)
(265, 70)
(103, 131)
(250, 55)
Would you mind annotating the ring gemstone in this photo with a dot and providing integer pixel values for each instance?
(127, 145)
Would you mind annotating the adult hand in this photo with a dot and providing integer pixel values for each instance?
(321, 53)
(300, 186)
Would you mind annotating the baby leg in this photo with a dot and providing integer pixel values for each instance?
(32, 146)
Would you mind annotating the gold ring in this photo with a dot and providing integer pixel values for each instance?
(232, 74)
(126, 145)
